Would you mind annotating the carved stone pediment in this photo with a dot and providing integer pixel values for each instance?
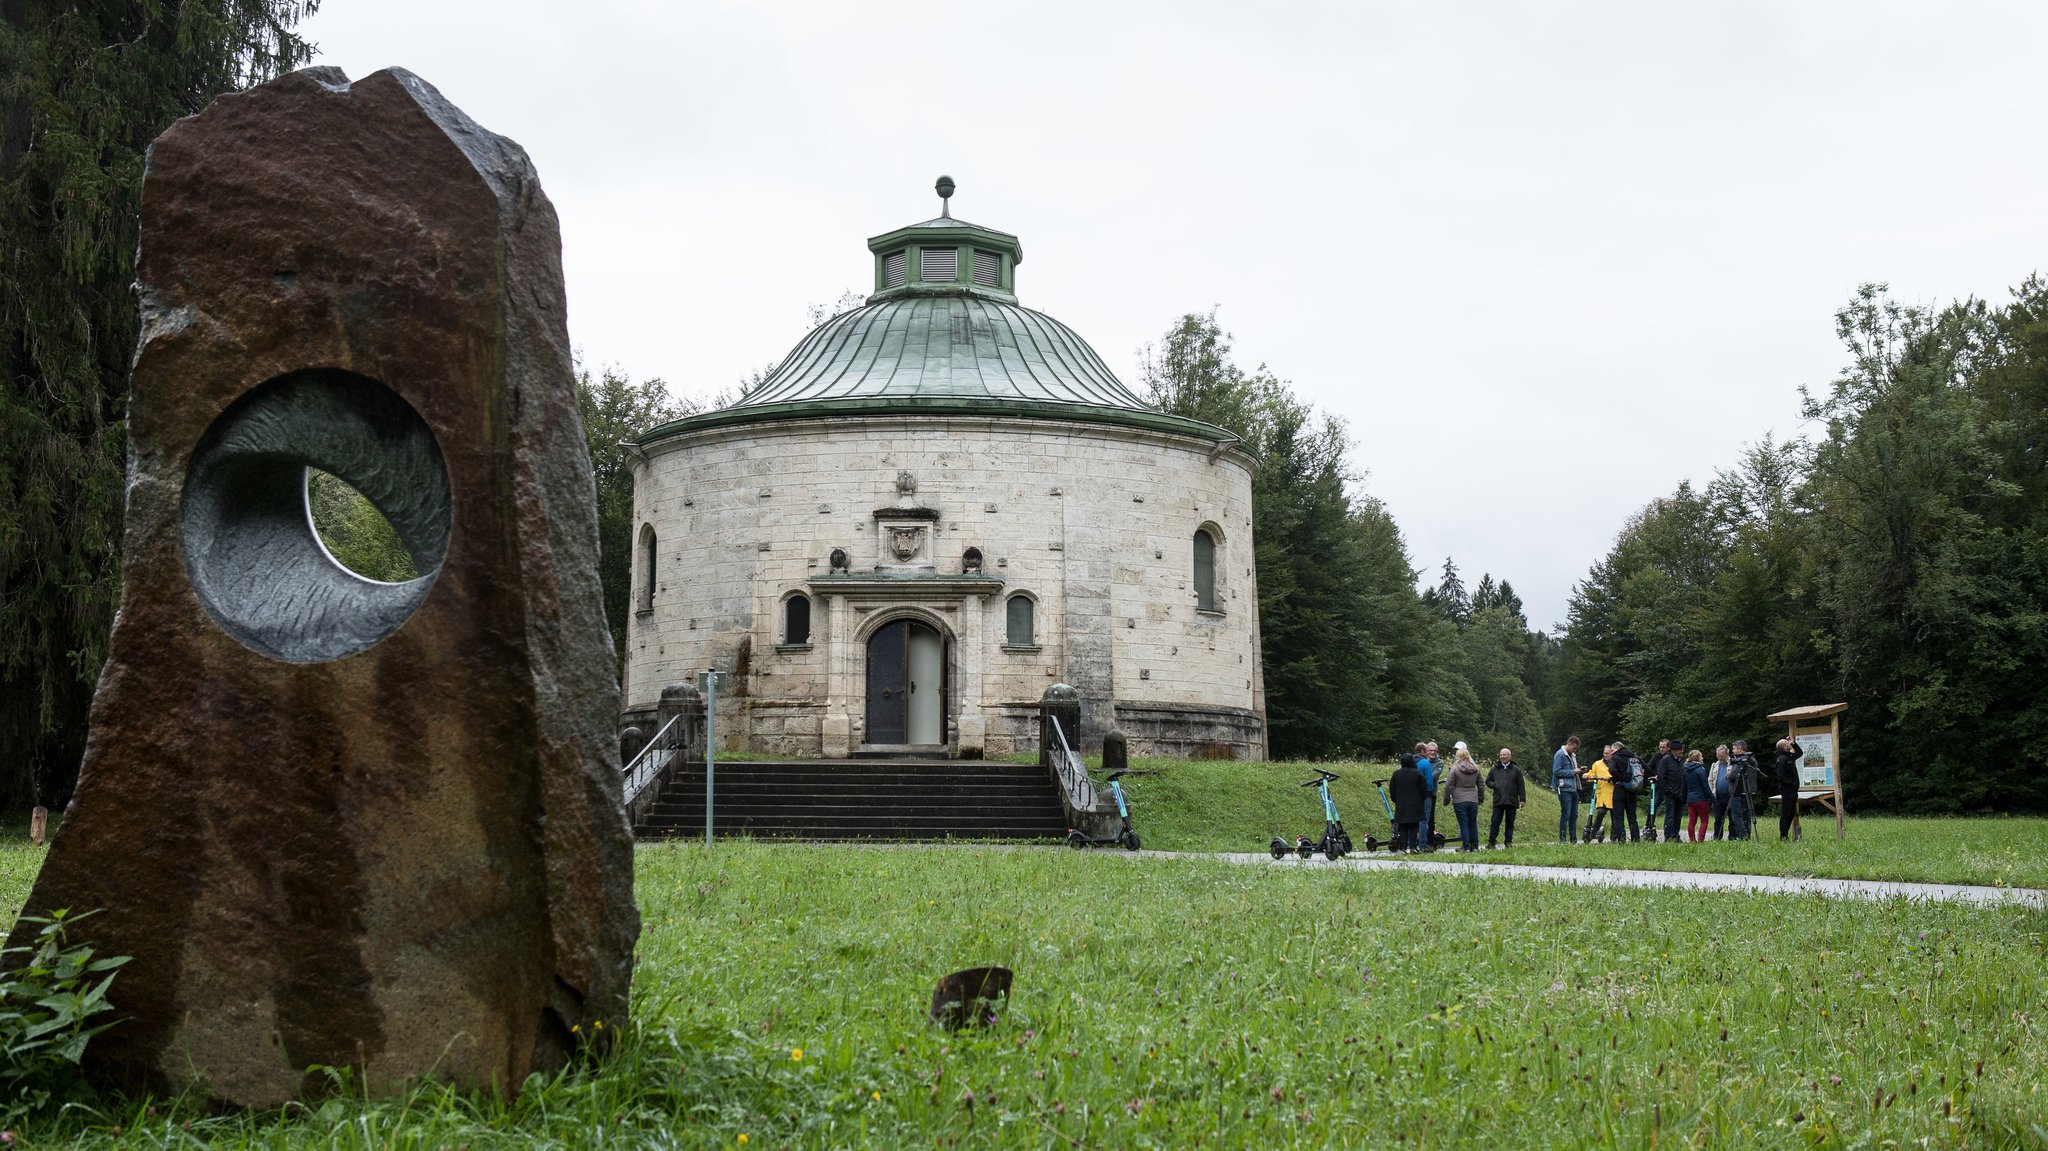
(904, 539)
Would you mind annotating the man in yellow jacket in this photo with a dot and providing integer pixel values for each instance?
(1603, 794)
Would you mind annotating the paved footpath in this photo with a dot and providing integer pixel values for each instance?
(1686, 880)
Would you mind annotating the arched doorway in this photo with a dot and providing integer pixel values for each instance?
(906, 684)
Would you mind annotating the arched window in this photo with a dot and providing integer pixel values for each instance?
(1022, 630)
(1205, 570)
(796, 620)
(647, 567)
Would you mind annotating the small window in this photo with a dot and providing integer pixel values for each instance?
(647, 567)
(937, 265)
(796, 620)
(893, 273)
(988, 269)
(1022, 630)
(1205, 570)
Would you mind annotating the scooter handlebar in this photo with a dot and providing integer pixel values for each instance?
(1321, 777)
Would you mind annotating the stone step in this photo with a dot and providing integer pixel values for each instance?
(868, 799)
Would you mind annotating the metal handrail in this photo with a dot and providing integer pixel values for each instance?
(1073, 773)
(647, 767)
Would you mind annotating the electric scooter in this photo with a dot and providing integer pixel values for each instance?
(1124, 837)
(1374, 843)
(1335, 843)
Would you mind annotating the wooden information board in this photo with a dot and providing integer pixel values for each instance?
(1818, 731)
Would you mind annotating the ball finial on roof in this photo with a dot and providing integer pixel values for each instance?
(945, 190)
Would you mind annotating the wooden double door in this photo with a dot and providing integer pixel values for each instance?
(906, 686)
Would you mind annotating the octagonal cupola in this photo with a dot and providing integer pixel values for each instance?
(946, 257)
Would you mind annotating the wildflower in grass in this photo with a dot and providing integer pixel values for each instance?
(742, 1140)
(875, 1095)
(796, 1055)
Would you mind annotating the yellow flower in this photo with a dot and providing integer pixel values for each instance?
(875, 1095)
(575, 1027)
(796, 1055)
(743, 1139)
(599, 1025)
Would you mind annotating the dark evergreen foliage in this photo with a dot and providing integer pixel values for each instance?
(615, 410)
(84, 88)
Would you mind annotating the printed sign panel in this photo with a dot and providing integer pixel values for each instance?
(1817, 769)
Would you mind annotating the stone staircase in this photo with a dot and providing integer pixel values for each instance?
(884, 800)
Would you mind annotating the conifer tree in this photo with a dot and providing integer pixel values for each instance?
(84, 88)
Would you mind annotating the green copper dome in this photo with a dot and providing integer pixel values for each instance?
(942, 334)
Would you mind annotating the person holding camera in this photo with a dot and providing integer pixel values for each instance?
(1789, 755)
(1742, 792)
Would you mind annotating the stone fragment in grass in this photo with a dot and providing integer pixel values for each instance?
(969, 998)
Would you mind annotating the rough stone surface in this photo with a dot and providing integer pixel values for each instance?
(369, 826)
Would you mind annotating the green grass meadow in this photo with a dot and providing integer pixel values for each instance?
(781, 994)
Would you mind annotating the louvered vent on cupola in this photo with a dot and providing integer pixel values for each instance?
(938, 264)
(988, 269)
(893, 273)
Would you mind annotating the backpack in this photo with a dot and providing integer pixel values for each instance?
(1633, 781)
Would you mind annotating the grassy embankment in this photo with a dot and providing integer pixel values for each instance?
(1174, 1003)
(1225, 806)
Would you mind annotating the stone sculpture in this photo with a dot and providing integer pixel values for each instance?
(334, 821)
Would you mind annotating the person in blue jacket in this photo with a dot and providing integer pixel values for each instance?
(1427, 763)
(1564, 780)
(1699, 798)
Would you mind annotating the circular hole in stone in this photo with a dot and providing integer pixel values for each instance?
(292, 451)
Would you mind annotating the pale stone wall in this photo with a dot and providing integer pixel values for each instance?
(1096, 523)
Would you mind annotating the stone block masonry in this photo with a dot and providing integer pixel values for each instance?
(1094, 524)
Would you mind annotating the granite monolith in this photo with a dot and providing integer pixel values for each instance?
(337, 822)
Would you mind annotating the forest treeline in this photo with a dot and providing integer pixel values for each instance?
(1896, 560)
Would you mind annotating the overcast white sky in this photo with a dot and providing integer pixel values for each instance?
(1547, 259)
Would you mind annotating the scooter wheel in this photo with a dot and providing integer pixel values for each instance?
(1371, 844)
(1344, 845)
(1130, 841)
(1332, 853)
(1305, 849)
(1279, 849)
(1076, 840)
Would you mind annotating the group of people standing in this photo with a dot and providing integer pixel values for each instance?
(1413, 792)
(1725, 791)
(1719, 798)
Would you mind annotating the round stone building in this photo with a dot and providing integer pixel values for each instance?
(938, 505)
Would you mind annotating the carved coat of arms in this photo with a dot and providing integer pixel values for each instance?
(906, 543)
